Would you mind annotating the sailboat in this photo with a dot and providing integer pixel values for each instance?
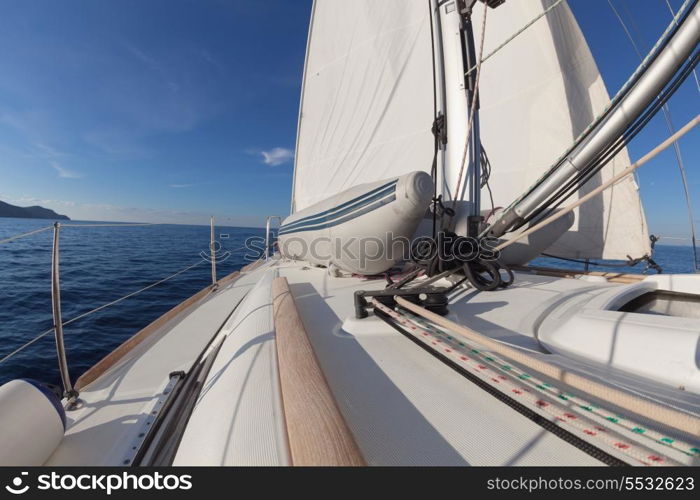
(442, 146)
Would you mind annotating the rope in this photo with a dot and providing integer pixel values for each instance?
(109, 304)
(473, 109)
(614, 180)
(522, 386)
(677, 149)
(590, 263)
(23, 235)
(516, 387)
(670, 417)
(516, 34)
(610, 416)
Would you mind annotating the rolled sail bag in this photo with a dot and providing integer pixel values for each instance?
(32, 423)
(366, 229)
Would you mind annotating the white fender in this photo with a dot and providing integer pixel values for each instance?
(32, 423)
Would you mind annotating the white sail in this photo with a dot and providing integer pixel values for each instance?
(368, 106)
(367, 100)
(537, 95)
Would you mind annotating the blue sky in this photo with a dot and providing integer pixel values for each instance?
(169, 111)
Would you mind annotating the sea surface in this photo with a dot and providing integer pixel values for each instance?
(101, 264)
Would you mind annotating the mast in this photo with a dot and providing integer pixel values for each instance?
(463, 188)
(439, 128)
(457, 100)
(648, 84)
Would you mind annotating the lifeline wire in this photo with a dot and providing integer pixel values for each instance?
(24, 235)
(43, 334)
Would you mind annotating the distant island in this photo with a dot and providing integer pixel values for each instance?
(36, 212)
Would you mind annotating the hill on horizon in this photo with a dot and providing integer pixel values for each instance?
(34, 212)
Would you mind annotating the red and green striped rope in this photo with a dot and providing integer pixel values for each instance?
(515, 384)
(583, 404)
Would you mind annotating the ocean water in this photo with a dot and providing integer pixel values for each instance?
(99, 265)
(672, 259)
(102, 264)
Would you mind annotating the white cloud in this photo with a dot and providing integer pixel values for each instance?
(142, 56)
(208, 57)
(64, 172)
(48, 151)
(277, 156)
(181, 186)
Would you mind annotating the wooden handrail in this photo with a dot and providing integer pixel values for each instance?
(316, 430)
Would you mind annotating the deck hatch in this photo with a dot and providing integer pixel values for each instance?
(665, 303)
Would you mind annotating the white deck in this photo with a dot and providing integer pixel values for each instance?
(115, 406)
(403, 405)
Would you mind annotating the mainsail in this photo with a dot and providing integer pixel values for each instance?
(368, 105)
